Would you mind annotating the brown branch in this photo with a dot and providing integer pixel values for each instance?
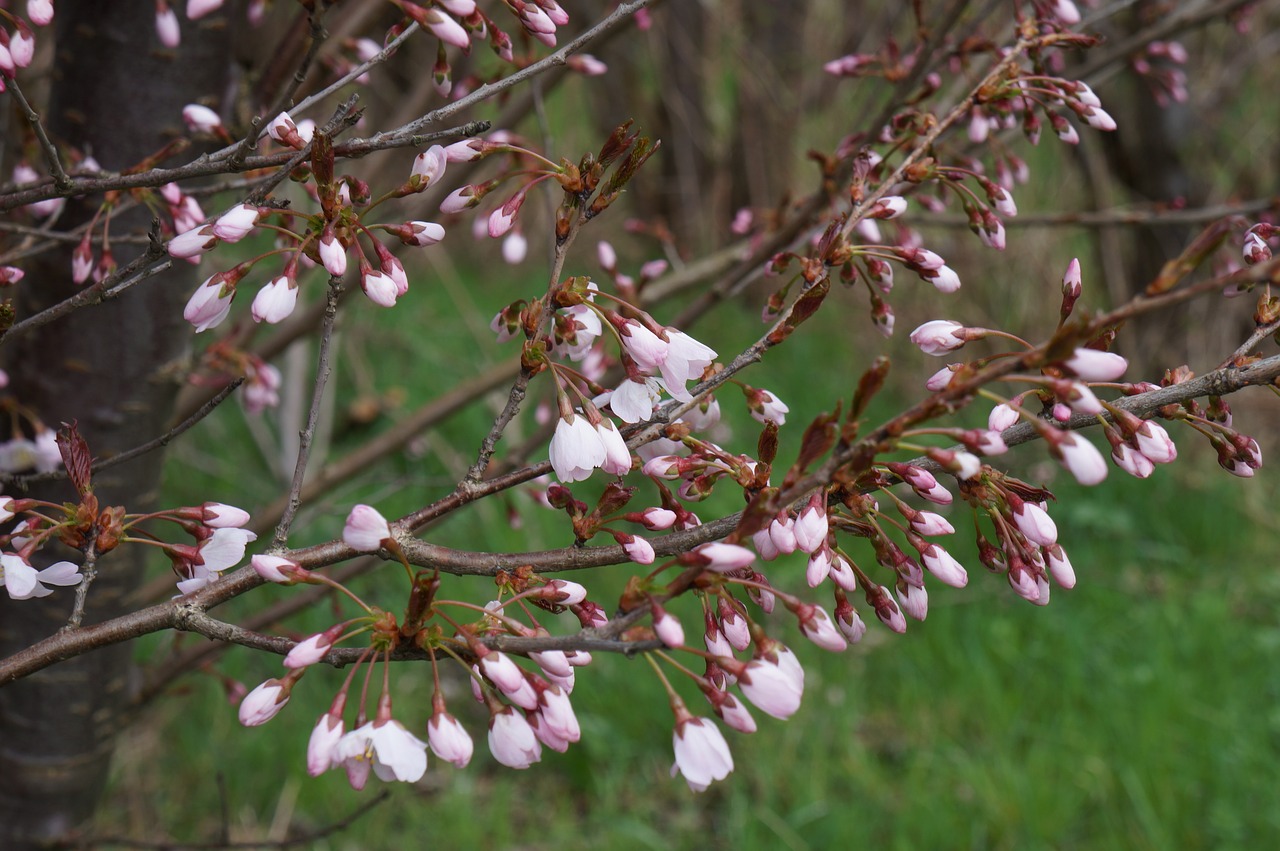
(51, 158)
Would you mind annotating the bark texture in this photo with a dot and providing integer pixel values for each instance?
(117, 94)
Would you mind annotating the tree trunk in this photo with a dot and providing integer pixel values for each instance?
(118, 95)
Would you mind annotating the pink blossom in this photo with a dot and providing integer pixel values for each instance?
(723, 558)
(1132, 461)
(702, 754)
(24, 582)
(928, 523)
(309, 651)
(1071, 281)
(511, 740)
(460, 199)
(1154, 442)
(617, 458)
(324, 740)
(1034, 523)
(1060, 566)
(887, 610)
(445, 28)
(733, 713)
(502, 671)
(667, 627)
(564, 592)
(466, 151)
(424, 233)
(771, 688)
(658, 519)
(201, 119)
(818, 568)
(365, 529)
(811, 526)
(276, 568)
(224, 549)
(381, 289)
(40, 12)
(585, 63)
(275, 301)
(397, 754)
(941, 564)
(261, 705)
(449, 739)
(236, 223)
(940, 379)
(22, 46)
(765, 406)
(914, 600)
(646, 348)
(576, 449)
(842, 573)
(200, 8)
(939, 336)
(685, 360)
(332, 254)
(944, 279)
(639, 550)
(782, 534)
(192, 243)
(217, 515)
(817, 626)
(1095, 365)
(850, 624)
(763, 542)
(1081, 458)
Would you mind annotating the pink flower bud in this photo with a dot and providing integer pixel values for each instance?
(276, 569)
(668, 629)
(702, 755)
(939, 336)
(449, 739)
(199, 8)
(818, 627)
(275, 302)
(460, 199)
(167, 29)
(381, 289)
(1081, 458)
(428, 167)
(192, 243)
(914, 600)
(721, 557)
(565, 593)
(511, 740)
(201, 119)
(365, 529)
(263, 703)
(209, 304)
(1095, 365)
(236, 223)
(772, 689)
(310, 650)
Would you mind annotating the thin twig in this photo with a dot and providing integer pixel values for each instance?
(51, 157)
(308, 433)
(89, 569)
